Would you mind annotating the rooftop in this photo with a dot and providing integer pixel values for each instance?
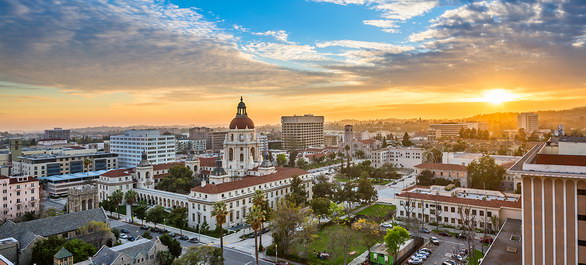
(282, 173)
(80, 175)
(476, 197)
(439, 166)
(507, 246)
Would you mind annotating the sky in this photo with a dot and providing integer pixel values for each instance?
(79, 63)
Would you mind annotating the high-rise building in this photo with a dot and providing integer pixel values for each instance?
(201, 133)
(160, 148)
(57, 133)
(302, 131)
(218, 138)
(528, 121)
(553, 187)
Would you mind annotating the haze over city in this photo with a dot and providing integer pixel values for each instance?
(184, 62)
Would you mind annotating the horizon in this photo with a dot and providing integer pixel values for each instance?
(187, 62)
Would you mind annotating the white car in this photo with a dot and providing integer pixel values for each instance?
(414, 261)
(386, 225)
(123, 236)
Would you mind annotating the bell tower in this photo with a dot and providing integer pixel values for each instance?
(144, 173)
(241, 146)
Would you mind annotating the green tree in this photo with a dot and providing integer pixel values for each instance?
(369, 232)
(323, 187)
(130, 198)
(292, 158)
(433, 155)
(140, 212)
(291, 225)
(207, 255)
(255, 219)
(172, 244)
(117, 197)
(220, 211)
(347, 149)
(178, 218)
(366, 191)
(301, 163)
(165, 257)
(45, 249)
(394, 239)
(406, 140)
(281, 160)
(320, 206)
(360, 154)
(298, 194)
(147, 235)
(260, 200)
(179, 180)
(156, 215)
(425, 178)
(521, 135)
(484, 173)
(81, 250)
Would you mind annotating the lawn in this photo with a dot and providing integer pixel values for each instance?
(477, 255)
(377, 210)
(324, 243)
(341, 179)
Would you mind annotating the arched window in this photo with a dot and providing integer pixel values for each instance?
(241, 157)
(231, 154)
(252, 152)
(232, 137)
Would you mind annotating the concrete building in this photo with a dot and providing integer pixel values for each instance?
(199, 146)
(446, 171)
(59, 184)
(140, 252)
(507, 246)
(81, 198)
(263, 142)
(437, 131)
(435, 203)
(129, 147)
(44, 165)
(57, 133)
(302, 131)
(202, 133)
(528, 121)
(333, 139)
(18, 195)
(348, 133)
(218, 138)
(399, 157)
(554, 201)
(463, 158)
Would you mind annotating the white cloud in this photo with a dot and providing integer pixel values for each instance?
(354, 44)
(284, 52)
(425, 35)
(345, 2)
(381, 23)
(279, 35)
(405, 10)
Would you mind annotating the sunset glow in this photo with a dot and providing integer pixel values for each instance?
(498, 96)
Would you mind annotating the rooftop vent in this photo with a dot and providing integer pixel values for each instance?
(512, 249)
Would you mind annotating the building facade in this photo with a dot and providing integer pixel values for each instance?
(202, 133)
(218, 138)
(263, 142)
(437, 131)
(528, 121)
(129, 147)
(554, 202)
(57, 133)
(44, 165)
(399, 157)
(18, 195)
(81, 198)
(302, 131)
(447, 171)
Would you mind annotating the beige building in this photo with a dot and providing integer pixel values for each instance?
(528, 121)
(554, 202)
(18, 195)
(302, 131)
(436, 131)
(446, 171)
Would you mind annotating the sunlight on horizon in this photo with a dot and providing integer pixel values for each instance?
(498, 96)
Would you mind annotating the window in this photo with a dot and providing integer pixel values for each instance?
(581, 192)
(581, 217)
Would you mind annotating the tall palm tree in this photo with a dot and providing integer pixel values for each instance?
(117, 197)
(130, 198)
(259, 200)
(255, 219)
(220, 211)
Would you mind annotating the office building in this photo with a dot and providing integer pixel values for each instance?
(399, 157)
(451, 129)
(554, 201)
(160, 148)
(185, 146)
(302, 131)
(333, 139)
(44, 165)
(218, 138)
(202, 133)
(451, 172)
(18, 195)
(528, 122)
(263, 142)
(57, 133)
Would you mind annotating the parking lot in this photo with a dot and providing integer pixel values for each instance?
(443, 251)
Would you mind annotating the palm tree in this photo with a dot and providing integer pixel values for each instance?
(255, 219)
(87, 163)
(117, 197)
(259, 200)
(220, 212)
(347, 148)
(130, 198)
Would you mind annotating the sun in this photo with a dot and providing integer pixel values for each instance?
(498, 96)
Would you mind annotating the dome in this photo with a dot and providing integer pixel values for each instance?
(242, 123)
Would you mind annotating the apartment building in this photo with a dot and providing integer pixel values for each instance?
(186, 145)
(57, 133)
(202, 133)
(528, 121)
(400, 157)
(44, 165)
(554, 201)
(449, 207)
(18, 195)
(263, 142)
(129, 147)
(302, 131)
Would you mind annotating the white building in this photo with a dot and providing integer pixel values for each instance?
(129, 147)
(263, 142)
(186, 145)
(528, 121)
(400, 157)
(425, 202)
(463, 158)
(44, 165)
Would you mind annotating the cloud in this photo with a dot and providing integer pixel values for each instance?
(284, 52)
(388, 26)
(279, 35)
(364, 45)
(403, 10)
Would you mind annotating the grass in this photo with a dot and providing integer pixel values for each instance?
(324, 243)
(377, 210)
(381, 181)
(477, 255)
(342, 179)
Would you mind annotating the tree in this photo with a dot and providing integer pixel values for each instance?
(81, 250)
(384, 144)
(347, 149)
(335, 211)
(406, 140)
(360, 154)
(433, 155)
(117, 197)
(298, 193)
(165, 257)
(179, 180)
(366, 191)
(322, 187)
(201, 255)
(281, 160)
(332, 156)
(45, 249)
(220, 212)
(96, 232)
(178, 218)
(301, 163)
(369, 232)
(291, 225)
(341, 240)
(140, 212)
(425, 178)
(292, 158)
(484, 173)
(156, 215)
(147, 235)
(260, 200)
(130, 198)
(394, 239)
(467, 223)
(172, 244)
(255, 219)
(320, 206)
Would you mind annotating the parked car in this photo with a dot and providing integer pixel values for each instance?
(414, 261)
(449, 262)
(420, 256)
(183, 237)
(156, 230)
(172, 234)
(459, 257)
(461, 236)
(434, 240)
(194, 240)
(124, 230)
(124, 236)
(444, 233)
(424, 230)
(387, 225)
(131, 238)
(486, 239)
(426, 250)
(164, 231)
(144, 227)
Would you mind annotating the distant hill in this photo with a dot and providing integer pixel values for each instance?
(571, 119)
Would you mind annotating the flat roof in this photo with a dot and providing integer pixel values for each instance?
(507, 246)
(73, 176)
(51, 156)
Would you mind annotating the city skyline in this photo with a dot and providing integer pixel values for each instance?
(186, 62)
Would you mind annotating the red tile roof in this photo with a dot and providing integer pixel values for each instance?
(160, 176)
(207, 161)
(249, 181)
(439, 166)
(14, 180)
(117, 173)
(368, 141)
(464, 201)
(315, 155)
(167, 165)
(565, 160)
